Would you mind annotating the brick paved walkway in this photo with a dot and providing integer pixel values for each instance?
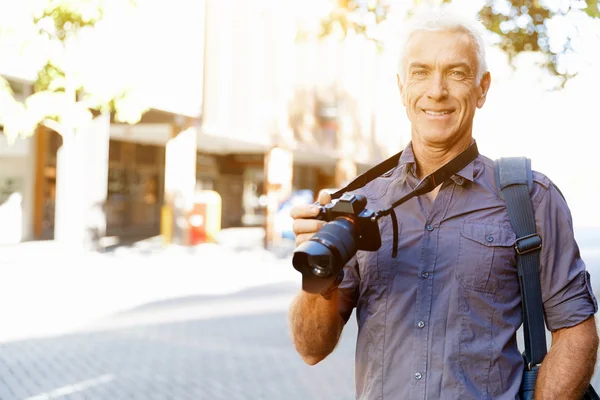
(244, 353)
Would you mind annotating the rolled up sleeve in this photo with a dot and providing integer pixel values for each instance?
(348, 289)
(566, 291)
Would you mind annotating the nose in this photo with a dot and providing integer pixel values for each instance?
(438, 89)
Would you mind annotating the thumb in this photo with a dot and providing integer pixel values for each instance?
(324, 197)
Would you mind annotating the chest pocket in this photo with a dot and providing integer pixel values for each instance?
(378, 267)
(485, 256)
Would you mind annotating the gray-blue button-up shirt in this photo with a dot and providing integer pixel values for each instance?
(440, 320)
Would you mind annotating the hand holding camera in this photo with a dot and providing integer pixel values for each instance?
(305, 216)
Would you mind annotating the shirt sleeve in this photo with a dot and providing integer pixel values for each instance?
(565, 283)
(348, 289)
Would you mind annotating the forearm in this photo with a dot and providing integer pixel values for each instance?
(316, 325)
(568, 367)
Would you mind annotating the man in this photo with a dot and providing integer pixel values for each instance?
(439, 320)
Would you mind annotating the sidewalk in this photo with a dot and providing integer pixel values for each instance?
(46, 289)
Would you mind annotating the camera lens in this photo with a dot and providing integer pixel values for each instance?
(322, 257)
(320, 271)
(321, 266)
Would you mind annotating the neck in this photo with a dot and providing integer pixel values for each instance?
(430, 157)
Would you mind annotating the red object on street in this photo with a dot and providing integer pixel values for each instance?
(197, 222)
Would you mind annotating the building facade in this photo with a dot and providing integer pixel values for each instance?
(256, 88)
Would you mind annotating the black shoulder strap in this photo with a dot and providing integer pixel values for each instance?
(514, 179)
(426, 185)
(370, 175)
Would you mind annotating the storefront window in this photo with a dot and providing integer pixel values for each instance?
(134, 189)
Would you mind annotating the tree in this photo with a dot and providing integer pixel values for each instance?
(69, 93)
(521, 25)
(64, 98)
(362, 17)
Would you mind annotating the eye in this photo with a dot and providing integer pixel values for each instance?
(419, 73)
(457, 74)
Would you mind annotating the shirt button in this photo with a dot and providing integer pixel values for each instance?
(420, 324)
(425, 275)
(418, 376)
(489, 238)
(429, 228)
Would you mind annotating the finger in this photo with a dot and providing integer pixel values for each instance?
(324, 197)
(307, 225)
(303, 238)
(304, 211)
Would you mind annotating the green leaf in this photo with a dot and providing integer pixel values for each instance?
(593, 8)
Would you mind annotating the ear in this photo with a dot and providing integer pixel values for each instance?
(401, 89)
(484, 86)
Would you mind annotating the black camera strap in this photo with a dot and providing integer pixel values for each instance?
(369, 176)
(426, 185)
(435, 179)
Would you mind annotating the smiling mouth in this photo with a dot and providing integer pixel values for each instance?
(438, 113)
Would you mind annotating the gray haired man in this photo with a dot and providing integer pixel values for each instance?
(440, 319)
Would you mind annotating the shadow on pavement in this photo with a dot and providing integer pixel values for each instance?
(275, 289)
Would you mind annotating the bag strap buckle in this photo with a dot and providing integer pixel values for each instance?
(531, 366)
(527, 244)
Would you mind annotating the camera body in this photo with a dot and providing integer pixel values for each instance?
(353, 208)
(351, 227)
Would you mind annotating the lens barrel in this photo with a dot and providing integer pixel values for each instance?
(321, 258)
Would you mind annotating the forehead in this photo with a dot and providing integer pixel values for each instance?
(441, 47)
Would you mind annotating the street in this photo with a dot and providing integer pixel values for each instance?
(195, 339)
(211, 351)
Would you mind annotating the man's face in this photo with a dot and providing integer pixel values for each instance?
(439, 88)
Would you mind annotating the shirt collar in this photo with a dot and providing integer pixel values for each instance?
(407, 158)
(407, 164)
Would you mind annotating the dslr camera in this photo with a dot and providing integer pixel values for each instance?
(351, 227)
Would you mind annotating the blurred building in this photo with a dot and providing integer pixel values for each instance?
(235, 76)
